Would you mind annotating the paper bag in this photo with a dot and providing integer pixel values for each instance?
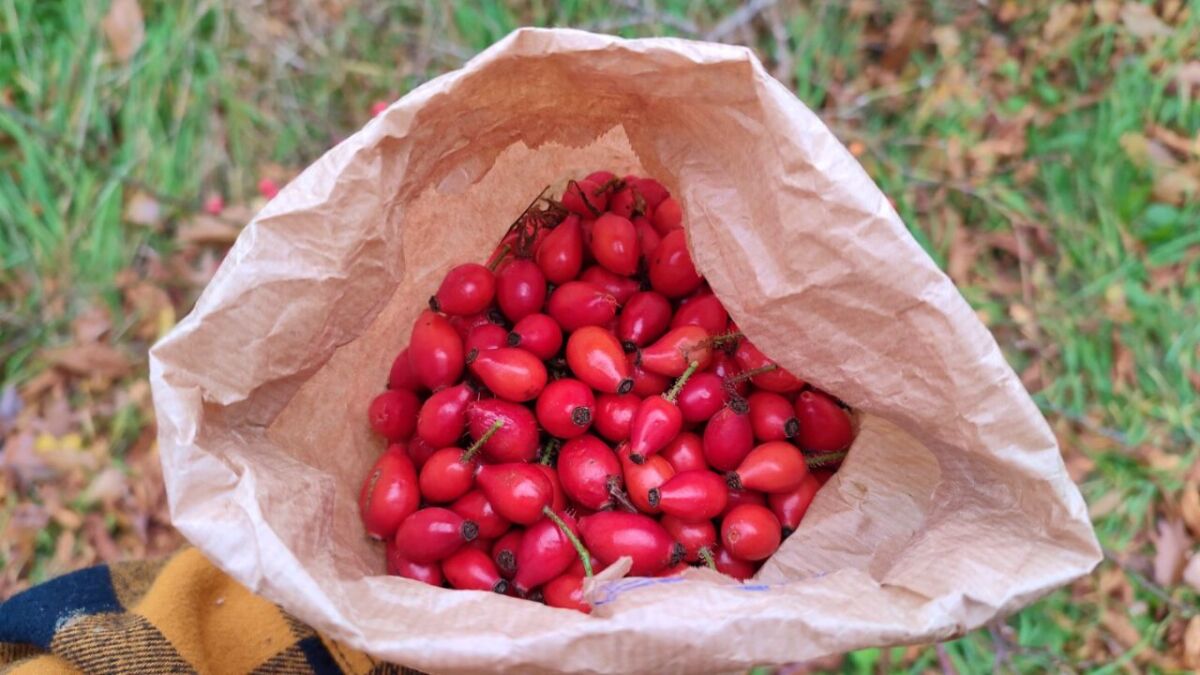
(952, 508)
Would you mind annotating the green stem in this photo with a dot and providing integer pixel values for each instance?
(824, 458)
(499, 257)
(583, 552)
(671, 395)
(722, 338)
(707, 556)
(548, 452)
(470, 452)
(747, 374)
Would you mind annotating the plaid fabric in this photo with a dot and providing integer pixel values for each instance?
(179, 615)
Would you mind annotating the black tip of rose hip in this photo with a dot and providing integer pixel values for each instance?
(628, 346)
(495, 316)
(791, 427)
(535, 595)
(514, 339)
(471, 355)
(733, 481)
(625, 387)
(507, 562)
(433, 303)
(654, 494)
(469, 530)
(581, 416)
(786, 532)
(677, 553)
(737, 404)
(501, 587)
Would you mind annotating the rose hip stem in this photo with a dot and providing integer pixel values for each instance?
(500, 256)
(470, 452)
(747, 374)
(548, 450)
(619, 496)
(824, 458)
(707, 556)
(722, 338)
(584, 556)
(674, 391)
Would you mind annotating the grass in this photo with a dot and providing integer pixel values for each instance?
(1028, 150)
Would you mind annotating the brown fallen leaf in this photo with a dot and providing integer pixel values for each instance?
(107, 487)
(91, 324)
(1107, 11)
(1177, 186)
(205, 229)
(1191, 573)
(1105, 505)
(97, 535)
(1191, 643)
(125, 28)
(1177, 142)
(1117, 623)
(1142, 21)
(90, 359)
(1171, 548)
(1189, 506)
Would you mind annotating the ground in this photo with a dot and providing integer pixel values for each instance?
(1047, 155)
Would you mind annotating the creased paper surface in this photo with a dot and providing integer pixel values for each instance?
(953, 506)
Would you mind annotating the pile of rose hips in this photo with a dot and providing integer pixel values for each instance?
(582, 397)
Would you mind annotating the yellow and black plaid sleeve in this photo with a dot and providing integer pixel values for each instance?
(179, 615)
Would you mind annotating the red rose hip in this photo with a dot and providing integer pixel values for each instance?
(389, 494)
(431, 534)
(566, 408)
(824, 425)
(510, 373)
(467, 289)
(393, 414)
(750, 532)
(435, 351)
(596, 358)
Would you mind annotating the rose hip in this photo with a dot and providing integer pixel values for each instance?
(694, 535)
(401, 376)
(585, 198)
(772, 467)
(389, 494)
(623, 202)
(518, 492)
(615, 244)
(463, 325)
(729, 565)
(566, 592)
(419, 451)
(621, 288)
(692, 495)
(560, 256)
(725, 367)
(824, 425)
(648, 237)
(430, 573)
(576, 304)
(790, 507)
(645, 383)
(668, 216)
(596, 358)
(471, 569)
(393, 414)
(467, 289)
(446, 476)
(510, 373)
(483, 338)
(739, 497)
(520, 289)
(614, 415)
(589, 471)
(649, 189)
(435, 351)
(672, 271)
(431, 534)
(685, 453)
(475, 507)
(444, 416)
(671, 353)
(517, 438)
(640, 479)
(545, 552)
(537, 334)
(772, 417)
(777, 379)
(703, 310)
(566, 408)
(559, 501)
(657, 421)
(750, 532)
(609, 535)
(643, 319)
(701, 398)
(504, 552)
(728, 437)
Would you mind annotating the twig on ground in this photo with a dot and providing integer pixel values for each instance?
(740, 17)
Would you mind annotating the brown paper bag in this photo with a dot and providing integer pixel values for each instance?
(952, 508)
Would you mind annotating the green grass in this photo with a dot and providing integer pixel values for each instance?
(1110, 269)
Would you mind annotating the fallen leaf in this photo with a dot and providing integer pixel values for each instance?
(1171, 548)
(1107, 10)
(1121, 627)
(1142, 22)
(205, 229)
(1177, 142)
(963, 252)
(1189, 506)
(1143, 151)
(1105, 505)
(1188, 75)
(21, 458)
(1191, 643)
(108, 486)
(1191, 573)
(948, 41)
(156, 314)
(1177, 186)
(125, 28)
(1059, 23)
(90, 359)
(100, 539)
(144, 210)
(1123, 366)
